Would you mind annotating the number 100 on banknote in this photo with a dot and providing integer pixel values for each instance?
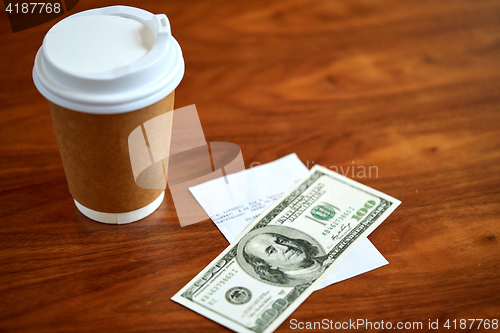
(275, 264)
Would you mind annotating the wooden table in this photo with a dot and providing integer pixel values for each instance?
(409, 87)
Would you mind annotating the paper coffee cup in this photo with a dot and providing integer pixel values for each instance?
(105, 72)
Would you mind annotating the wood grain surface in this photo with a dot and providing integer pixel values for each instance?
(409, 87)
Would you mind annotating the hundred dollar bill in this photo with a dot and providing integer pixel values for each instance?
(275, 264)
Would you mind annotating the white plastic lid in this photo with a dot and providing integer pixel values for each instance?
(108, 60)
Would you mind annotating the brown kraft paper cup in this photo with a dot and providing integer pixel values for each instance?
(95, 156)
(103, 84)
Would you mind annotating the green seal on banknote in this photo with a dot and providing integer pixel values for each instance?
(323, 212)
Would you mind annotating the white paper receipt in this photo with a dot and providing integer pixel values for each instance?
(233, 208)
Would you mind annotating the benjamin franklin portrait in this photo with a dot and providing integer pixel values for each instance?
(281, 256)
